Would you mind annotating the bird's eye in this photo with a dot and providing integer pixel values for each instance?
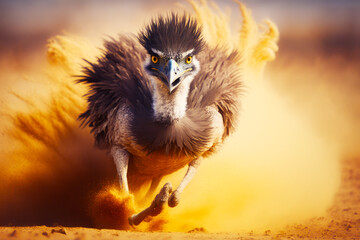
(188, 60)
(154, 59)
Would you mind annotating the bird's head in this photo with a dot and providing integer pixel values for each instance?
(172, 43)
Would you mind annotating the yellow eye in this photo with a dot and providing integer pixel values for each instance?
(154, 59)
(188, 60)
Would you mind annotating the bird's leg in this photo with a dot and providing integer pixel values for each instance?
(175, 195)
(155, 208)
(121, 160)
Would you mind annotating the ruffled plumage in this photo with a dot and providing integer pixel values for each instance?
(119, 77)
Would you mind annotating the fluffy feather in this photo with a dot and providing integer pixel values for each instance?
(173, 33)
(119, 77)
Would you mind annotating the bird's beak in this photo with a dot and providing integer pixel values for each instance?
(173, 74)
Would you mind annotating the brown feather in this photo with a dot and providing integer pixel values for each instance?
(218, 84)
(118, 76)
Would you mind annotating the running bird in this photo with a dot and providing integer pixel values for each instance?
(161, 102)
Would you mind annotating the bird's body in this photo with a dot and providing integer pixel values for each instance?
(132, 112)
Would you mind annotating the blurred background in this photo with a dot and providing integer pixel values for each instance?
(316, 73)
(330, 26)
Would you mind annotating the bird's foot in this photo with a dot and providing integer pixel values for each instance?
(174, 199)
(155, 208)
(159, 202)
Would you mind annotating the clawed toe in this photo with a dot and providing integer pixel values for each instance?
(155, 208)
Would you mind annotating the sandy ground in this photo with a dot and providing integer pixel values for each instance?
(85, 233)
(341, 222)
(343, 218)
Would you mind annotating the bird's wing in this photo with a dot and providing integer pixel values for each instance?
(117, 77)
(218, 84)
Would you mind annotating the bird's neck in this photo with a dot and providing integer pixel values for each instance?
(170, 106)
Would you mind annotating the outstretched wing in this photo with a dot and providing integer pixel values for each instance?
(218, 84)
(117, 77)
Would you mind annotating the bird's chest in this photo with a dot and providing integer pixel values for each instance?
(188, 137)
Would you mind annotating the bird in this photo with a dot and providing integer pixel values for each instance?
(159, 101)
